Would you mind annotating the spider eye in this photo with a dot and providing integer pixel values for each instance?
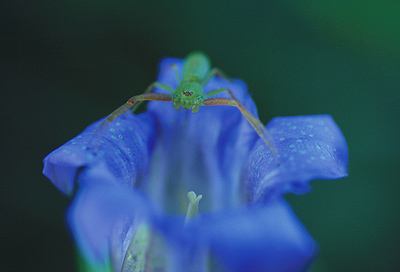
(187, 93)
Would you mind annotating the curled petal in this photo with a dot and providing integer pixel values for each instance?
(263, 238)
(308, 148)
(125, 149)
(99, 217)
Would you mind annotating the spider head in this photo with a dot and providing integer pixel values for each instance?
(188, 94)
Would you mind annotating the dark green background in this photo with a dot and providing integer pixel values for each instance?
(65, 64)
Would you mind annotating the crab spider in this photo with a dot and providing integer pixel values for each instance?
(189, 94)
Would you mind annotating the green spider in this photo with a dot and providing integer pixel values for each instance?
(189, 94)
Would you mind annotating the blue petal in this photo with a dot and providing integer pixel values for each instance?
(203, 151)
(101, 216)
(308, 148)
(264, 238)
(125, 149)
(104, 218)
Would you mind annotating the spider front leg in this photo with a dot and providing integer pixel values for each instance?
(254, 122)
(128, 105)
(213, 72)
(149, 90)
(178, 78)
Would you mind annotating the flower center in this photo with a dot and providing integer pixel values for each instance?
(148, 249)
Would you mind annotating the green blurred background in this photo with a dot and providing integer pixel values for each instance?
(65, 64)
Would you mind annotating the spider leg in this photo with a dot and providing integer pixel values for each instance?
(149, 90)
(254, 122)
(213, 72)
(178, 78)
(128, 105)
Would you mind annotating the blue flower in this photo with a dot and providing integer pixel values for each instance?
(130, 197)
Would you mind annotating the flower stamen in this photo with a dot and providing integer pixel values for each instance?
(193, 207)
